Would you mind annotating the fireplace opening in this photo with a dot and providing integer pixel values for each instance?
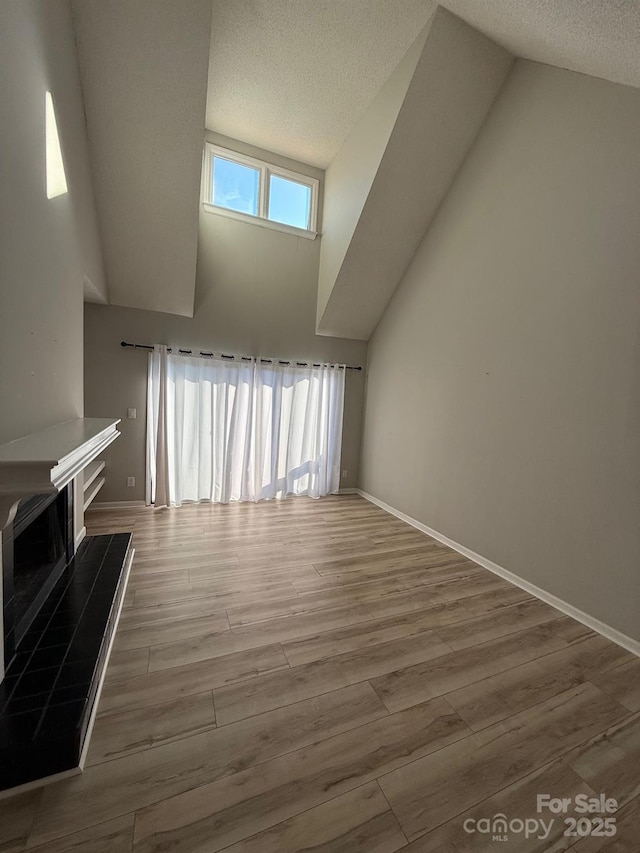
(35, 554)
(39, 555)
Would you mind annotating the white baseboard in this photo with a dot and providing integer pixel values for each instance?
(116, 505)
(79, 537)
(549, 598)
(348, 492)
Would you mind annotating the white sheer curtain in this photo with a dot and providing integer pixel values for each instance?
(241, 430)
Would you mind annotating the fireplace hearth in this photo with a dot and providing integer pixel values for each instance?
(51, 686)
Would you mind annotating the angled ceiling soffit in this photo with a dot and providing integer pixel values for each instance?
(372, 226)
(144, 69)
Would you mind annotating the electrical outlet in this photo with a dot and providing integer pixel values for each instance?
(132, 413)
(131, 481)
(344, 474)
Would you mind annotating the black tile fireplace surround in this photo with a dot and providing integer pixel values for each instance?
(35, 550)
(58, 646)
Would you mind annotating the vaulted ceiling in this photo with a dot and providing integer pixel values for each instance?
(388, 179)
(296, 77)
(304, 78)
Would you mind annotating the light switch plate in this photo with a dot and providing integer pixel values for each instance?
(132, 413)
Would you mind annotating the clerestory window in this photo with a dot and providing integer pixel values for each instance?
(246, 188)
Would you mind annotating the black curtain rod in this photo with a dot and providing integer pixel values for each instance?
(239, 357)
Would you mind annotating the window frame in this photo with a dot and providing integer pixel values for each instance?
(265, 170)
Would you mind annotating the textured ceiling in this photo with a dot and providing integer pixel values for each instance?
(597, 37)
(294, 76)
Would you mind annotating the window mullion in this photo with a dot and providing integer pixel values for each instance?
(264, 192)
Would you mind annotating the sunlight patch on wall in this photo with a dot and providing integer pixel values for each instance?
(56, 178)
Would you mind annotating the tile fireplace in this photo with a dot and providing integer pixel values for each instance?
(61, 598)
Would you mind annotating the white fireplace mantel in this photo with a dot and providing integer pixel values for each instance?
(47, 461)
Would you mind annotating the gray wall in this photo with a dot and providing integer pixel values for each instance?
(256, 295)
(46, 245)
(503, 396)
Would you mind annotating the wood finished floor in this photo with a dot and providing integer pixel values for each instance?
(319, 676)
